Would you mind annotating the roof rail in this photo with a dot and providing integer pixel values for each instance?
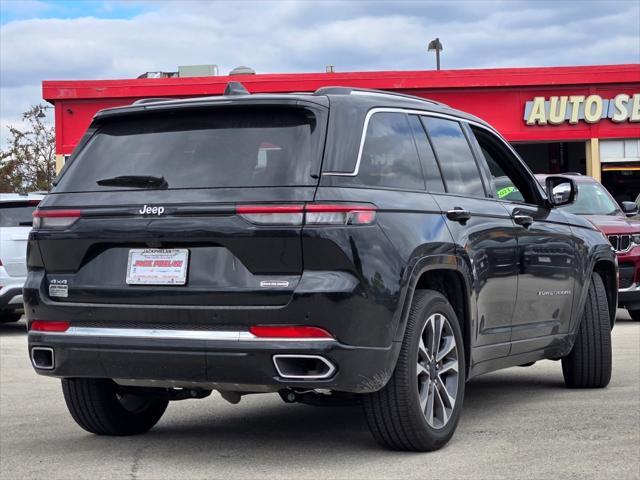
(142, 101)
(368, 91)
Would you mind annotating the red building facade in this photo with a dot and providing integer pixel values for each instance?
(560, 119)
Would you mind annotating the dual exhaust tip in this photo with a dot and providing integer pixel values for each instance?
(43, 358)
(303, 367)
(291, 366)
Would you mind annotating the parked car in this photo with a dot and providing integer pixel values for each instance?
(595, 203)
(323, 246)
(15, 224)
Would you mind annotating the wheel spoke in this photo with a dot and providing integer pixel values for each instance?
(424, 396)
(429, 411)
(447, 396)
(445, 415)
(420, 370)
(449, 344)
(422, 351)
(438, 322)
(449, 366)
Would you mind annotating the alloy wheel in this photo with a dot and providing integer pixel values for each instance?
(437, 370)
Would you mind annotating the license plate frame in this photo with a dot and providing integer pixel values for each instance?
(157, 266)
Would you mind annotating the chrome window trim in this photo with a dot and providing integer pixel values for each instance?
(222, 335)
(408, 111)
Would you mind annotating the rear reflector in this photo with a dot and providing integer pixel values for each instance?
(288, 331)
(48, 326)
(55, 218)
(311, 214)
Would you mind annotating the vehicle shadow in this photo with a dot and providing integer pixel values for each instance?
(252, 433)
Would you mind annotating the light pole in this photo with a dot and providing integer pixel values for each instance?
(437, 46)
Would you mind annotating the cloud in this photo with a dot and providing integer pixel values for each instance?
(305, 36)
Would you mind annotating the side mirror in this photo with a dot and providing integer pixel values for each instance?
(561, 191)
(629, 208)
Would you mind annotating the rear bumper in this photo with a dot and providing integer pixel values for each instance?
(226, 361)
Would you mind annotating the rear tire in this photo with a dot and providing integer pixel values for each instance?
(100, 407)
(588, 365)
(419, 408)
(9, 316)
(635, 315)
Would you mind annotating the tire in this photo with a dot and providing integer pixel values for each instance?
(635, 315)
(9, 316)
(588, 365)
(97, 406)
(394, 414)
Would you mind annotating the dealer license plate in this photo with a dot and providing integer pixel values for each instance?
(156, 266)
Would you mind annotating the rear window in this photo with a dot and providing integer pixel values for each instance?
(218, 147)
(17, 214)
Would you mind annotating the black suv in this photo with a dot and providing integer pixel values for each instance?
(336, 247)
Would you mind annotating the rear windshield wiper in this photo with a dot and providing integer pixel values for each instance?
(142, 181)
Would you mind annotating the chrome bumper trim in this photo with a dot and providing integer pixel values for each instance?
(221, 335)
(635, 287)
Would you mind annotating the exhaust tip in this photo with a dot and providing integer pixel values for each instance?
(43, 358)
(303, 367)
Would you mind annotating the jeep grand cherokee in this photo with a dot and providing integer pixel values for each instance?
(340, 246)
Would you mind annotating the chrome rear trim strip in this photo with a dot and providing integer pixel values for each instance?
(221, 335)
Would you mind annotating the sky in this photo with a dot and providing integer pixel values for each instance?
(74, 39)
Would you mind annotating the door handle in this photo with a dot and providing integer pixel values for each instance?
(524, 220)
(459, 215)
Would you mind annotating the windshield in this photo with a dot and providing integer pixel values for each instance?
(218, 147)
(592, 199)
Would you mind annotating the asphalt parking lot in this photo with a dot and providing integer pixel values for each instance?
(516, 423)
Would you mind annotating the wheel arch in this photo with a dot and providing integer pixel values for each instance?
(446, 275)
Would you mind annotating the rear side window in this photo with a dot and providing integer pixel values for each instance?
(209, 148)
(17, 214)
(389, 157)
(459, 168)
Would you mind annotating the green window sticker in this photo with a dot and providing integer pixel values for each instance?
(503, 192)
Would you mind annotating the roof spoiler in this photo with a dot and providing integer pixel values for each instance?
(235, 88)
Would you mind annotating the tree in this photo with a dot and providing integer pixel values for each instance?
(28, 162)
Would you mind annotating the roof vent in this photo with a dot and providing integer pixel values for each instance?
(242, 71)
(235, 88)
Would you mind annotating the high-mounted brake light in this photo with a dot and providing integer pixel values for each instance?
(289, 331)
(48, 326)
(312, 214)
(55, 218)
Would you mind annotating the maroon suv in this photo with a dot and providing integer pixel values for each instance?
(595, 203)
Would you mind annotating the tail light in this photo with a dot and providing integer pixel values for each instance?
(55, 218)
(310, 214)
(289, 331)
(272, 214)
(48, 326)
(330, 214)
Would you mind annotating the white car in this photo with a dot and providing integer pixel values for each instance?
(15, 224)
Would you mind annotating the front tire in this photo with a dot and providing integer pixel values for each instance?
(419, 408)
(100, 407)
(588, 365)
